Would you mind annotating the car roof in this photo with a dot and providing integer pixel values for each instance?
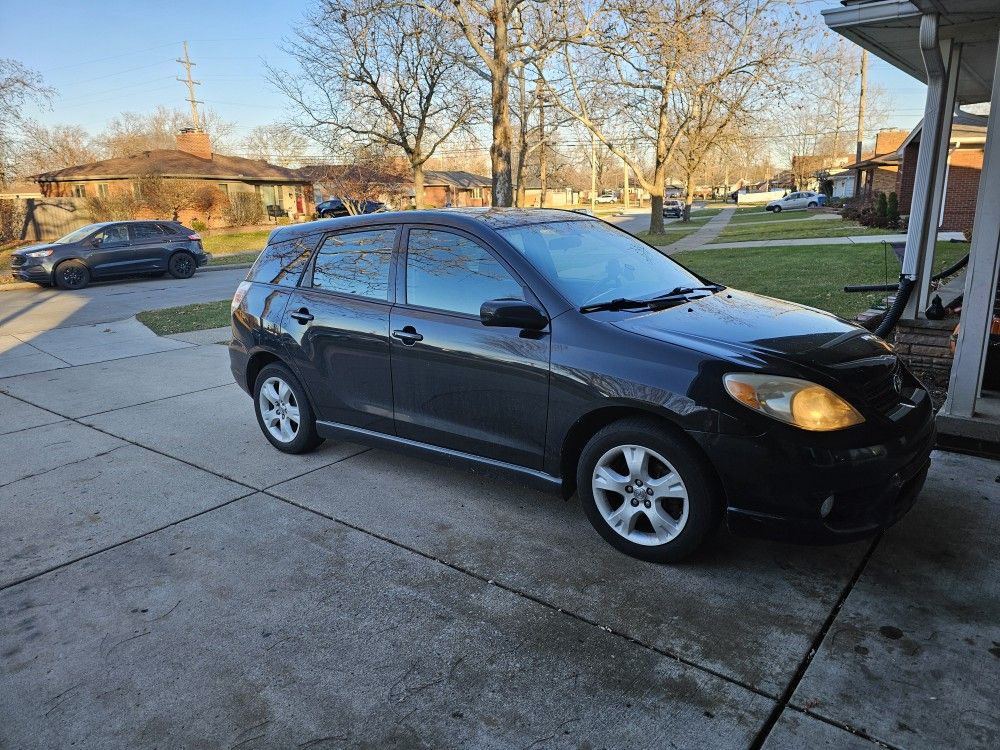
(472, 219)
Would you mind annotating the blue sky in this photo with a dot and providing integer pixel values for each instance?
(108, 56)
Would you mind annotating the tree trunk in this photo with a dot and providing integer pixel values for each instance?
(503, 189)
(689, 199)
(656, 210)
(542, 158)
(418, 185)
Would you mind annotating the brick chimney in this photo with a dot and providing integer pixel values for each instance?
(194, 142)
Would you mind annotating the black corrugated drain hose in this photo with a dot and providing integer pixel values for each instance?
(893, 314)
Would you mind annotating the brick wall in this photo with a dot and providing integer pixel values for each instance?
(924, 344)
(965, 167)
(905, 177)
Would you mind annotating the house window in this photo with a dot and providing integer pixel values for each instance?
(79, 191)
(224, 188)
(477, 193)
(102, 190)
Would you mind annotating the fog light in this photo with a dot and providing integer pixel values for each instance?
(826, 507)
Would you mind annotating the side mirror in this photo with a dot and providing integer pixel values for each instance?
(512, 313)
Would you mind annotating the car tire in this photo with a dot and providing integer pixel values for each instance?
(72, 274)
(278, 388)
(619, 476)
(813, 204)
(776, 209)
(182, 265)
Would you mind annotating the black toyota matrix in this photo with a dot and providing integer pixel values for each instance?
(558, 348)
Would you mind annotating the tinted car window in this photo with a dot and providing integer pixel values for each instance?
(143, 232)
(116, 234)
(356, 263)
(449, 272)
(589, 261)
(281, 263)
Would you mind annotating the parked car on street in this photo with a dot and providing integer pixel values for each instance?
(801, 199)
(335, 207)
(562, 350)
(606, 198)
(111, 249)
(673, 208)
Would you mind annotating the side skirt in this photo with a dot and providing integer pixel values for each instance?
(536, 479)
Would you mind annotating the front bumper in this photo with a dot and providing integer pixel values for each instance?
(775, 487)
(32, 269)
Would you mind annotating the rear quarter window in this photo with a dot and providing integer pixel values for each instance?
(281, 263)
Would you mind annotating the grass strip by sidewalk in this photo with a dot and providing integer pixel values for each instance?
(795, 230)
(670, 235)
(814, 276)
(195, 317)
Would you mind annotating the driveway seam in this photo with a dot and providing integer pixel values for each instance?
(38, 348)
(859, 733)
(785, 700)
(102, 361)
(102, 550)
(43, 472)
(531, 597)
(153, 401)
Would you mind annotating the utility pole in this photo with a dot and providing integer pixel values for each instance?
(191, 83)
(593, 172)
(861, 103)
(625, 171)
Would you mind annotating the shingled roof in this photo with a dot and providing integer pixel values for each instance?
(174, 163)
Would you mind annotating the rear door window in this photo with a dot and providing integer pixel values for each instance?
(281, 263)
(356, 263)
(146, 232)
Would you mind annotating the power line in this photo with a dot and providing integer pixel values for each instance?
(191, 83)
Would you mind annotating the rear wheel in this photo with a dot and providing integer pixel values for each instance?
(283, 411)
(777, 209)
(814, 204)
(181, 265)
(72, 274)
(647, 492)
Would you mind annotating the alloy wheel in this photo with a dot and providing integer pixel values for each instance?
(279, 409)
(72, 276)
(640, 495)
(182, 265)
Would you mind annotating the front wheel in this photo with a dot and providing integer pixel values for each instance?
(646, 492)
(776, 209)
(72, 274)
(283, 411)
(814, 204)
(181, 265)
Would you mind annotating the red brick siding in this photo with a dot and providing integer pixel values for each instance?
(905, 177)
(965, 166)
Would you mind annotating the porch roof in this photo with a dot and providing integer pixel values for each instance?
(890, 29)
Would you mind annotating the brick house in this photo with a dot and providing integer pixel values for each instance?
(965, 165)
(456, 188)
(876, 172)
(192, 160)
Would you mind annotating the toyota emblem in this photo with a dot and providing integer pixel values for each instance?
(897, 382)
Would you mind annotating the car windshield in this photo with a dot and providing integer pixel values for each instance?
(590, 261)
(77, 234)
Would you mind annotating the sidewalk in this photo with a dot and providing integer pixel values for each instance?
(713, 227)
(862, 239)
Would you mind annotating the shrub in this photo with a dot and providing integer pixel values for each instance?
(121, 205)
(198, 225)
(12, 213)
(892, 210)
(244, 209)
(881, 211)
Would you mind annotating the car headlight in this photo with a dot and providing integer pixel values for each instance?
(39, 254)
(801, 403)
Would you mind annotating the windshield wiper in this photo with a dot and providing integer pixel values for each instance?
(675, 295)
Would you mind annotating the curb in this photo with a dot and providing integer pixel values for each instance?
(18, 285)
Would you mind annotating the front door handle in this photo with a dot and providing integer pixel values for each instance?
(408, 335)
(303, 315)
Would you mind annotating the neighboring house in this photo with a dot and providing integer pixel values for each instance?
(876, 172)
(842, 181)
(357, 182)
(808, 169)
(555, 197)
(19, 191)
(965, 165)
(456, 188)
(191, 160)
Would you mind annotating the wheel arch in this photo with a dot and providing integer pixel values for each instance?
(592, 422)
(257, 362)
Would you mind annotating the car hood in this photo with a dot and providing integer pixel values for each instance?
(35, 248)
(743, 323)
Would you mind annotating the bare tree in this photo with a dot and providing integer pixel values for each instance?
(47, 148)
(377, 74)
(19, 86)
(651, 76)
(134, 132)
(277, 143)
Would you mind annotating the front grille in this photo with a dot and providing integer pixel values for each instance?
(880, 391)
(16, 261)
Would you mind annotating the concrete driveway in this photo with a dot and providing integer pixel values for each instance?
(167, 579)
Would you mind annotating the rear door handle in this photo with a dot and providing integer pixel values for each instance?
(303, 315)
(408, 336)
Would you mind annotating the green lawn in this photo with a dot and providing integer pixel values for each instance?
(196, 317)
(813, 276)
(789, 230)
(235, 243)
(760, 214)
(671, 234)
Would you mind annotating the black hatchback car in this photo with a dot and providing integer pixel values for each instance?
(109, 250)
(565, 351)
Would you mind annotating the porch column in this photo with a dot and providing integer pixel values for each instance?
(941, 61)
(981, 277)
